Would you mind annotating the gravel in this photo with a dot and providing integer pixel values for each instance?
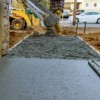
(57, 47)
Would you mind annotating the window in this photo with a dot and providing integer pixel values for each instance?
(87, 13)
(94, 13)
(87, 4)
(95, 4)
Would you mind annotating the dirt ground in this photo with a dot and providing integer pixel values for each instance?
(16, 36)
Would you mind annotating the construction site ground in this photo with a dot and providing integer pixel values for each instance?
(18, 35)
(61, 47)
(92, 35)
(49, 68)
(68, 46)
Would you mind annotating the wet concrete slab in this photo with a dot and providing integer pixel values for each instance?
(53, 47)
(47, 79)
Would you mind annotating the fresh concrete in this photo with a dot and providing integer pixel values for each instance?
(60, 47)
(38, 79)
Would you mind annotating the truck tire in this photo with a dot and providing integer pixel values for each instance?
(17, 24)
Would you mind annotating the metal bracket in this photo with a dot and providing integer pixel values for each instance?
(95, 66)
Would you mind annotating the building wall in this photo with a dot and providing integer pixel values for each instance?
(4, 26)
(73, 0)
(69, 4)
(91, 6)
(82, 5)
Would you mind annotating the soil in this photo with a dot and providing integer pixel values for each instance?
(16, 36)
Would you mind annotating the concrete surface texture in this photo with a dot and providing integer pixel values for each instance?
(60, 47)
(45, 79)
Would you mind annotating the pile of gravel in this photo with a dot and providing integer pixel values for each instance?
(49, 47)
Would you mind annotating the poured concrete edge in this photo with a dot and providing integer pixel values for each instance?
(19, 42)
(90, 46)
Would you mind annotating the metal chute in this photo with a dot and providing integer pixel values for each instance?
(42, 12)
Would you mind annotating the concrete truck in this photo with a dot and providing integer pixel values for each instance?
(22, 18)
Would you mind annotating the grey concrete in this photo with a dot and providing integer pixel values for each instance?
(50, 19)
(60, 47)
(35, 79)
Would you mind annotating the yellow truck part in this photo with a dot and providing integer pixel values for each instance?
(22, 14)
(28, 20)
(20, 19)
